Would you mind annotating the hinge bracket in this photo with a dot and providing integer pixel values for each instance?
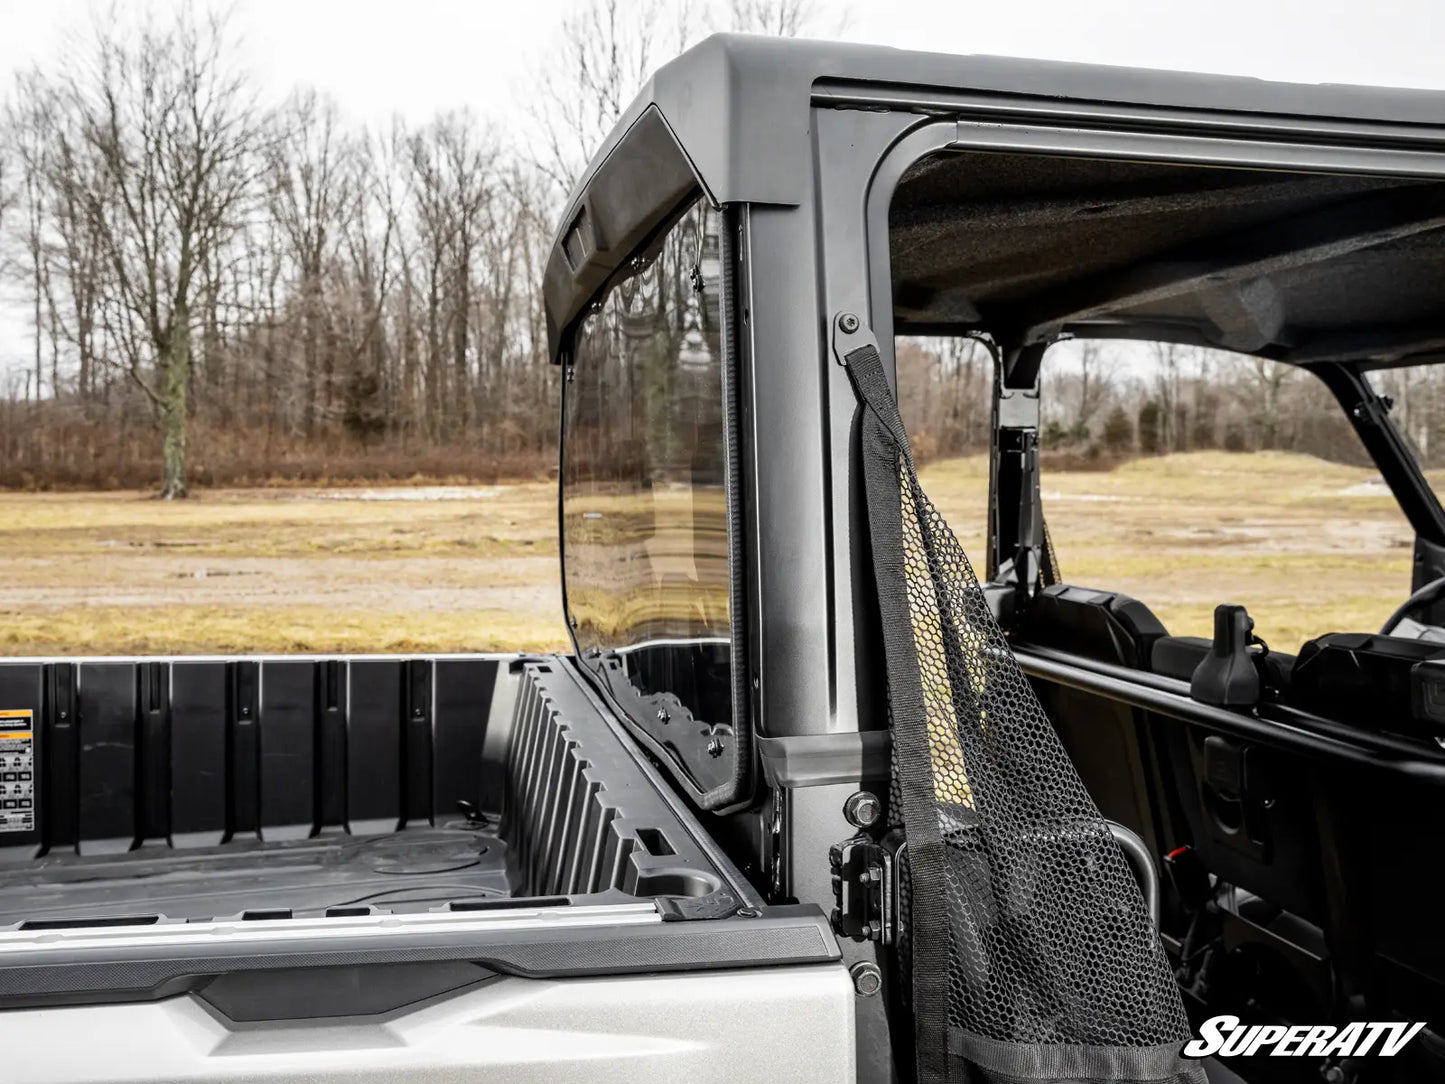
(864, 890)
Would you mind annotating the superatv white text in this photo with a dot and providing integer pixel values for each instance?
(1222, 1036)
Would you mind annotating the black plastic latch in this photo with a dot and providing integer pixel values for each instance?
(1227, 676)
(720, 904)
(1189, 877)
(1224, 767)
(863, 886)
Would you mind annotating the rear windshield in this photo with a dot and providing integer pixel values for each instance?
(644, 467)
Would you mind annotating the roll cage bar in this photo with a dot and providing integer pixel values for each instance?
(805, 144)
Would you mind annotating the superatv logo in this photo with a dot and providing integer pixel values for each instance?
(1222, 1037)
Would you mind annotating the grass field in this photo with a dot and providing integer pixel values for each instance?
(454, 568)
(1308, 546)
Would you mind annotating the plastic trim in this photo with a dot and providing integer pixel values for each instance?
(72, 967)
(817, 760)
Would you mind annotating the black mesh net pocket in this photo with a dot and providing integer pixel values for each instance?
(1032, 952)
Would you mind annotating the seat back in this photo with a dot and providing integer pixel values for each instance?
(1107, 741)
(1249, 813)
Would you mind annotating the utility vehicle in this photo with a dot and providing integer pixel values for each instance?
(809, 800)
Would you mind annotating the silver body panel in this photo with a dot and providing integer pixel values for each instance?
(779, 1024)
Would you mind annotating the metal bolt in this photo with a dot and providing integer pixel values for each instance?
(663, 716)
(715, 747)
(867, 979)
(747, 912)
(862, 809)
(848, 322)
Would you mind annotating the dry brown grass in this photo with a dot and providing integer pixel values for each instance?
(281, 570)
(1306, 545)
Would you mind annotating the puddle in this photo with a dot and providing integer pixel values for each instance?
(417, 493)
(1370, 487)
(214, 573)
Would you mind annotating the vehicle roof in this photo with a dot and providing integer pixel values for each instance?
(739, 109)
(739, 103)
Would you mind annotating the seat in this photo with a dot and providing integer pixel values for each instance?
(1250, 817)
(1321, 867)
(1105, 739)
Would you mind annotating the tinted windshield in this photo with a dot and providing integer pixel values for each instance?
(644, 504)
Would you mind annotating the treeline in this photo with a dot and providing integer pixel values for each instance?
(1103, 402)
(223, 289)
(215, 288)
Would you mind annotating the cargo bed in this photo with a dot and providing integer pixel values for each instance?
(199, 789)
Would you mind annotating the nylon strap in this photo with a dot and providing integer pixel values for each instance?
(886, 456)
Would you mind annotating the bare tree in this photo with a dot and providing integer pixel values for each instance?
(778, 18)
(1168, 381)
(275, 284)
(78, 278)
(604, 52)
(308, 168)
(29, 123)
(1098, 372)
(9, 193)
(607, 49)
(371, 223)
(1266, 392)
(175, 132)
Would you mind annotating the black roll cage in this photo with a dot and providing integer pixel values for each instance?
(804, 144)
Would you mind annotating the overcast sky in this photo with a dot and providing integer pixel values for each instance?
(416, 56)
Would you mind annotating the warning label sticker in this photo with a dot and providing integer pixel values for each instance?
(17, 771)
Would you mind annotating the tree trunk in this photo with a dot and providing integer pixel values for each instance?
(176, 371)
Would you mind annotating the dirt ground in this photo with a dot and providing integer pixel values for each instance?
(1308, 546)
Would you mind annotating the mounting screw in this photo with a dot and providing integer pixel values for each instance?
(747, 912)
(862, 809)
(867, 979)
(663, 716)
(848, 322)
(715, 747)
